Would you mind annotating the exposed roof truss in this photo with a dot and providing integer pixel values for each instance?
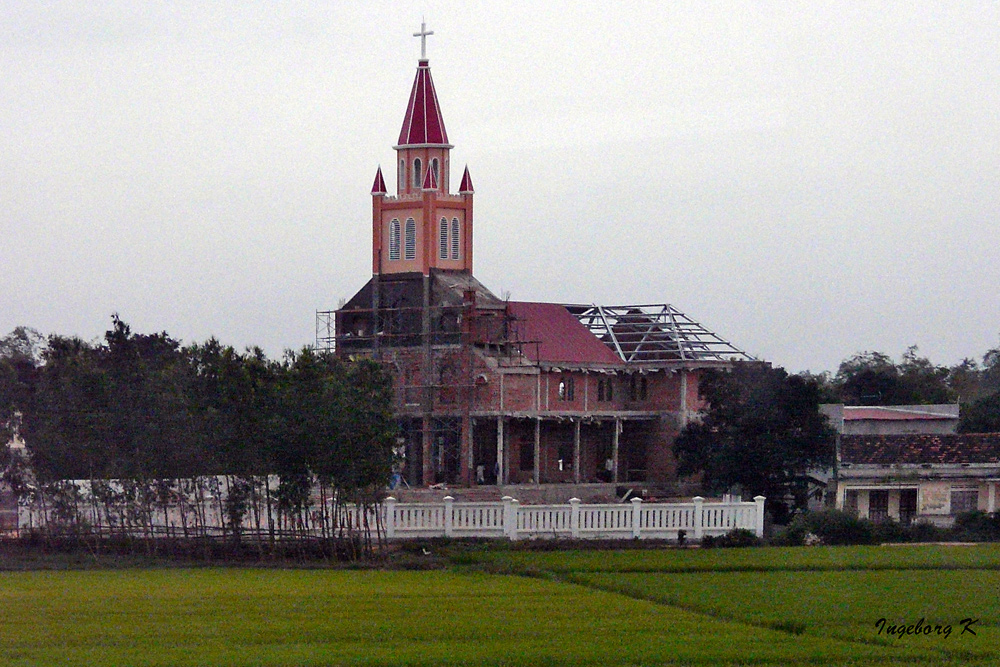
(655, 333)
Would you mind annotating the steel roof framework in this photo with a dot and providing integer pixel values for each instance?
(654, 333)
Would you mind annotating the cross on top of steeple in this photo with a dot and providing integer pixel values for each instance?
(424, 32)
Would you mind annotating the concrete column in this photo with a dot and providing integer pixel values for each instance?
(576, 451)
(699, 519)
(448, 519)
(574, 517)
(614, 449)
(538, 451)
(509, 519)
(390, 518)
(471, 454)
(427, 474)
(760, 515)
(637, 517)
(465, 452)
(500, 453)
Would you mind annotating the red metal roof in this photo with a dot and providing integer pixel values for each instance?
(854, 413)
(552, 335)
(430, 183)
(423, 123)
(466, 185)
(378, 187)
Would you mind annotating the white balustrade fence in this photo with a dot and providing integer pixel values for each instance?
(508, 518)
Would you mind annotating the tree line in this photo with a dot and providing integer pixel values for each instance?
(156, 426)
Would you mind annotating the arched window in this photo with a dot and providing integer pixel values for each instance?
(410, 240)
(394, 240)
(417, 179)
(454, 238)
(401, 176)
(443, 240)
(434, 171)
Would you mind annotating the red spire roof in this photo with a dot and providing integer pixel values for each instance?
(430, 182)
(378, 187)
(466, 185)
(423, 123)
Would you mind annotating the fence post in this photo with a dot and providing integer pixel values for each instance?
(448, 502)
(515, 510)
(506, 516)
(636, 517)
(390, 518)
(574, 517)
(760, 515)
(699, 517)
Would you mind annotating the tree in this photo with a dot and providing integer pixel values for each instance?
(872, 378)
(762, 432)
(868, 378)
(981, 416)
(20, 355)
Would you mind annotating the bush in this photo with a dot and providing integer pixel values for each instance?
(831, 526)
(925, 531)
(891, 531)
(738, 537)
(977, 526)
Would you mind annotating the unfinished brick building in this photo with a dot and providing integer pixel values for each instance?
(490, 391)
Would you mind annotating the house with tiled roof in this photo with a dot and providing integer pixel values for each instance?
(909, 477)
(496, 392)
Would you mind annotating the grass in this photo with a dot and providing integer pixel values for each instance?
(784, 559)
(644, 607)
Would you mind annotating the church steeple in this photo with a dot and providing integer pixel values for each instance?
(423, 227)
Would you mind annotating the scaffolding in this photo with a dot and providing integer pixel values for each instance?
(654, 333)
(432, 351)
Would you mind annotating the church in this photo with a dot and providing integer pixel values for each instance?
(494, 392)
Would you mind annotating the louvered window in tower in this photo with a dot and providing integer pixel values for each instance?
(417, 176)
(443, 241)
(454, 238)
(394, 240)
(410, 239)
(401, 176)
(434, 171)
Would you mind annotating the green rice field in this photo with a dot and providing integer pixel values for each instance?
(816, 606)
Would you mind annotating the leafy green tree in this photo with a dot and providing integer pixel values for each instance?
(981, 416)
(868, 378)
(965, 379)
(761, 432)
(872, 378)
(922, 382)
(20, 355)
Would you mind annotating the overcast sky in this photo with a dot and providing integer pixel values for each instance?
(808, 179)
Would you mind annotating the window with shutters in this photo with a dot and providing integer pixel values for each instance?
(443, 241)
(410, 239)
(394, 240)
(454, 238)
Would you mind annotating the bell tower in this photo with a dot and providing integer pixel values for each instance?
(423, 226)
